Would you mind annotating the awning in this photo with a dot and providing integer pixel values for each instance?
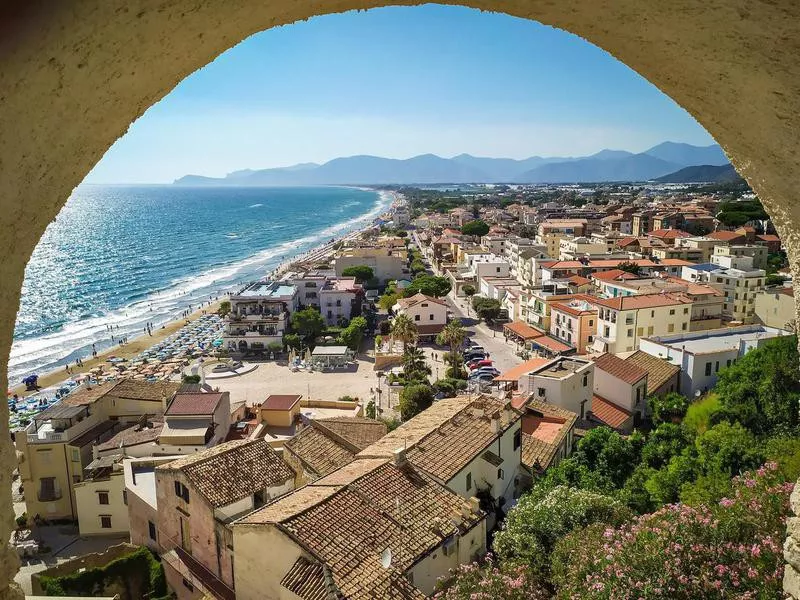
(522, 330)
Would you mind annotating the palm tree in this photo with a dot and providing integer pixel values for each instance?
(414, 362)
(404, 329)
(452, 335)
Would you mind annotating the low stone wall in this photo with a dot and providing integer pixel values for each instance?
(87, 561)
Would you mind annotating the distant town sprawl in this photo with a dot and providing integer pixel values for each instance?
(372, 413)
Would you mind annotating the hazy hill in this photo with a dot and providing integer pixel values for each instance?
(636, 167)
(702, 174)
(606, 165)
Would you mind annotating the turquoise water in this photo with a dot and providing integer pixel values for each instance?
(124, 256)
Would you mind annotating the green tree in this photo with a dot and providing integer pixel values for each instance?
(539, 520)
(609, 454)
(453, 335)
(761, 389)
(664, 442)
(477, 228)
(417, 266)
(308, 323)
(414, 399)
(362, 273)
(487, 309)
(430, 285)
(629, 267)
(352, 335)
(469, 291)
(387, 301)
(415, 365)
(729, 449)
(224, 308)
(669, 408)
(371, 410)
(403, 329)
(292, 340)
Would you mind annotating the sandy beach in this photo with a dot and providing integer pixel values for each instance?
(140, 343)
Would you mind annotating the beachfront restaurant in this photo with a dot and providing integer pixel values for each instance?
(332, 356)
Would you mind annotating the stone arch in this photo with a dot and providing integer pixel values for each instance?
(75, 74)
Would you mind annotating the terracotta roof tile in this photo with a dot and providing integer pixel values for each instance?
(457, 441)
(280, 401)
(609, 413)
(514, 373)
(544, 428)
(614, 275)
(233, 470)
(417, 298)
(359, 431)
(317, 452)
(194, 404)
(348, 526)
(523, 330)
(643, 301)
(668, 234)
(628, 372)
(551, 344)
(136, 389)
(306, 579)
(133, 436)
(658, 370)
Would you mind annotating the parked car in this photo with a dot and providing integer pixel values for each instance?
(475, 364)
(470, 354)
(484, 371)
(482, 378)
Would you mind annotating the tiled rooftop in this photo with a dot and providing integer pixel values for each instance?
(280, 401)
(348, 523)
(134, 435)
(627, 371)
(659, 371)
(359, 431)
(608, 413)
(644, 301)
(318, 452)
(232, 471)
(194, 404)
(544, 428)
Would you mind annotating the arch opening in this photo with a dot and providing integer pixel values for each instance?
(74, 79)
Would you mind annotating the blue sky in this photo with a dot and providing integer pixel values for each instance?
(396, 82)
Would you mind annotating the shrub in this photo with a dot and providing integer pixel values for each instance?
(362, 273)
(729, 549)
(224, 308)
(533, 527)
(414, 399)
(669, 408)
(490, 581)
(191, 379)
(700, 414)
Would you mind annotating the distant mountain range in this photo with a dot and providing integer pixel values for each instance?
(606, 165)
(704, 174)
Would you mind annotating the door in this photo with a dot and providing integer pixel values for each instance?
(186, 538)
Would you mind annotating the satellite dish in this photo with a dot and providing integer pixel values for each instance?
(386, 558)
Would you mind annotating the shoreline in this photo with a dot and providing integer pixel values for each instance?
(142, 342)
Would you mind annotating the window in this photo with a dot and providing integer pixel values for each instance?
(517, 439)
(683, 326)
(416, 317)
(469, 481)
(630, 332)
(640, 331)
(728, 363)
(540, 391)
(716, 367)
(105, 521)
(182, 491)
(686, 311)
(151, 529)
(430, 317)
(102, 497)
(76, 455)
(672, 311)
(652, 314)
(708, 369)
(585, 380)
(650, 330)
(591, 322)
(671, 327)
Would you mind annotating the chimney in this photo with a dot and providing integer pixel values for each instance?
(399, 457)
(496, 422)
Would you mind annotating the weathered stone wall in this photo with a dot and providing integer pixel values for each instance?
(87, 561)
(74, 74)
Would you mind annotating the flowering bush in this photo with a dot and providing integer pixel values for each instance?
(533, 527)
(728, 549)
(490, 581)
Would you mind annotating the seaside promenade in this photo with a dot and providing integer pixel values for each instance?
(137, 344)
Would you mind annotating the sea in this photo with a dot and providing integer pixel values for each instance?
(123, 256)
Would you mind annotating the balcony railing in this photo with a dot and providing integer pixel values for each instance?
(51, 496)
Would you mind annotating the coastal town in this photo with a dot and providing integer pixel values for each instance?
(372, 418)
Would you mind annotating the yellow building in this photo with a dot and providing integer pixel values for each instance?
(100, 498)
(54, 449)
(776, 308)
